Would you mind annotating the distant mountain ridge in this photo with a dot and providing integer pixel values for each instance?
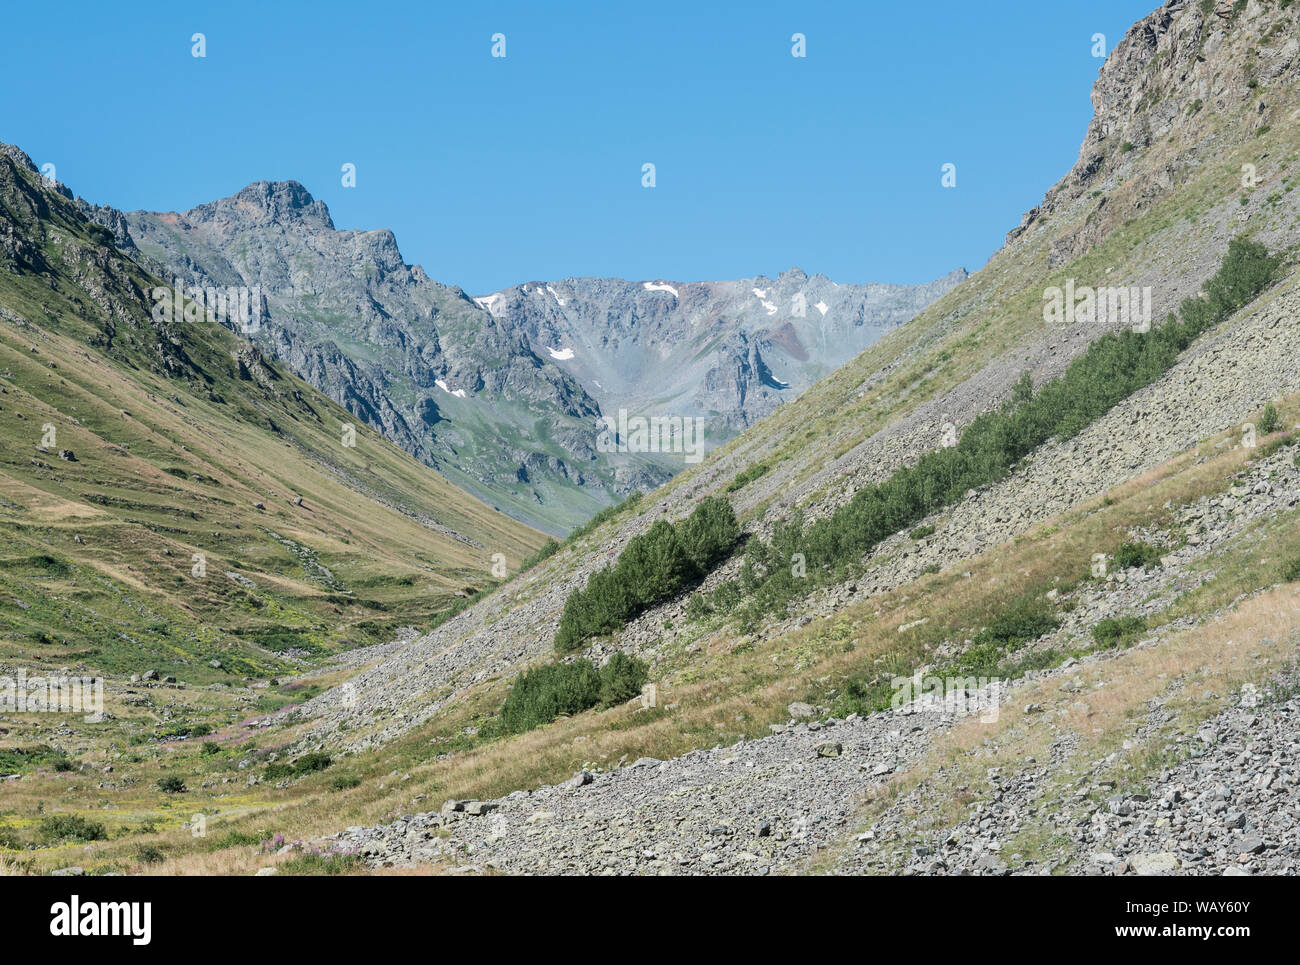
(504, 393)
(729, 350)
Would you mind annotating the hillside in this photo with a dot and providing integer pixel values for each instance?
(174, 501)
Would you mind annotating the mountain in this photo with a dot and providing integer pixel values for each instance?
(729, 351)
(173, 500)
(484, 390)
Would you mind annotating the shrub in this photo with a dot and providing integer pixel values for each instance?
(343, 782)
(1131, 555)
(921, 532)
(1027, 619)
(148, 854)
(1112, 630)
(621, 679)
(309, 763)
(171, 784)
(1268, 421)
(210, 748)
(545, 552)
(654, 566)
(1291, 570)
(710, 533)
(60, 828)
(747, 476)
(540, 695)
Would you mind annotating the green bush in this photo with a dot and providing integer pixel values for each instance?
(148, 854)
(540, 695)
(61, 828)
(1269, 422)
(309, 763)
(1112, 630)
(710, 533)
(746, 477)
(344, 782)
(545, 552)
(921, 532)
(1139, 554)
(171, 784)
(654, 566)
(621, 679)
(1291, 570)
(1025, 620)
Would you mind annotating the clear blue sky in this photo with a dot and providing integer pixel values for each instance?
(500, 171)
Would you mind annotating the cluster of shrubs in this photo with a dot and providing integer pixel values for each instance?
(1109, 632)
(60, 828)
(1022, 621)
(1137, 554)
(544, 552)
(747, 476)
(1112, 368)
(307, 764)
(1027, 619)
(653, 567)
(541, 695)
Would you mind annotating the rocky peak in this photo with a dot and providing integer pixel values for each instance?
(267, 202)
(1187, 74)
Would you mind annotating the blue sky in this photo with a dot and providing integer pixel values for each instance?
(496, 171)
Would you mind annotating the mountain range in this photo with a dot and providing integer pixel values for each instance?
(504, 394)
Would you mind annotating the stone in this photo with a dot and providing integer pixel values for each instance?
(1158, 863)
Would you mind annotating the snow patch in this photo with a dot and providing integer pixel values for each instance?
(458, 393)
(652, 287)
(563, 355)
(822, 307)
(771, 309)
(486, 301)
(558, 299)
(760, 293)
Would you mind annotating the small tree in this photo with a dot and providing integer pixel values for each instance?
(1268, 420)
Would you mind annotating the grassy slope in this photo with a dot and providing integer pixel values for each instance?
(96, 558)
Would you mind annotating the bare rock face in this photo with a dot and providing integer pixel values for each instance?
(1167, 86)
(728, 351)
